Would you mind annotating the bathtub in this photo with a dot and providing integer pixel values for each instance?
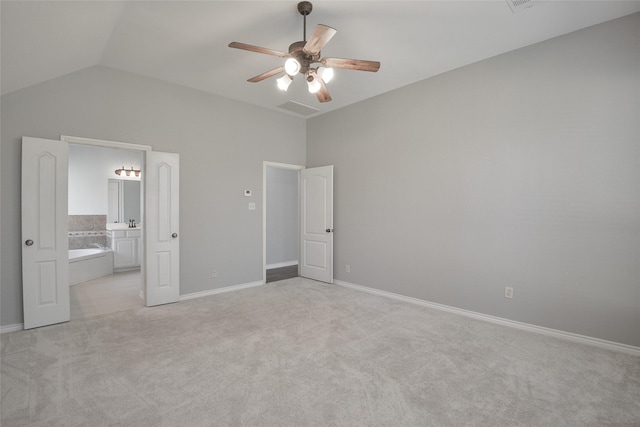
(87, 264)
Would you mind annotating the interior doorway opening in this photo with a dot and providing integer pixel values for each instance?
(106, 214)
(281, 221)
(45, 228)
(105, 230)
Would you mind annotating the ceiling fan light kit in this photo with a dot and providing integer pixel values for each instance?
(284, 82)
(304, 58)
(326, 74)
(292, 66)
(313, 83)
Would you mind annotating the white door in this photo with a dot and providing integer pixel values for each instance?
(45, 244)
(317, 223)
(162, 233)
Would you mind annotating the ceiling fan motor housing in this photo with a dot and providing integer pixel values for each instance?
(305, 60)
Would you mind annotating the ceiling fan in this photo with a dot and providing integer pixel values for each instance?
(304, 58)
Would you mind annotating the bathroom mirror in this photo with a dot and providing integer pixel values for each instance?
(123, 201)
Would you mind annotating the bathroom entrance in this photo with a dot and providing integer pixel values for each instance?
(105, 230)
(45, 228)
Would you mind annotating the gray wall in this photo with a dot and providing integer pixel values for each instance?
(522, 170)
(222, 145)
(282, 215)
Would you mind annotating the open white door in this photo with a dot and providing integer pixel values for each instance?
(45, 244)
(162, 242)
(317, 223)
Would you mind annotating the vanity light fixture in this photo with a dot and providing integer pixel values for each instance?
(127, 172)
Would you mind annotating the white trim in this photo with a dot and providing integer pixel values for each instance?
(11, 328)
(104, 143)
(264, 208)
(220, 290)
(582, 339)
(282, 264)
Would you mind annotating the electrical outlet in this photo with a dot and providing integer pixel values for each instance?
(347, 268)
(214, 273)
(508, 292)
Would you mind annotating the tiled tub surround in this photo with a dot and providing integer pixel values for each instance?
(86, 230)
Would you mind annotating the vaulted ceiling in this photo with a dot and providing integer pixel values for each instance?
(185, 42)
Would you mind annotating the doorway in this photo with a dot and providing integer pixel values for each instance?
(105, 222)
(44, 206)
(281, 219)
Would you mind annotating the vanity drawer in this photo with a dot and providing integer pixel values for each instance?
(114, 234)
(133, 233)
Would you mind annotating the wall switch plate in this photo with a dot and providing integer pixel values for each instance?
(252, 206)
(347, 268)
(214, 273)
(247, 193)
(508, 292)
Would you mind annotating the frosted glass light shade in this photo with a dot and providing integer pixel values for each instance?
(314, 85)
(326, 74)
(284, 82)
(292, 66)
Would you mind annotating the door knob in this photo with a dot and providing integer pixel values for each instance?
(328, 230)
(174, 235)
(29, 242)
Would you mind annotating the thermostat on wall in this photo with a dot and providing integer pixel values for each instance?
(247, 193)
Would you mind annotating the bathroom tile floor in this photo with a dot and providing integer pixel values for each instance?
(109, 294)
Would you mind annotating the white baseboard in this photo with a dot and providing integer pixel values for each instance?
(282, 264)
(11, 328)
(220, 290)
(597, 342)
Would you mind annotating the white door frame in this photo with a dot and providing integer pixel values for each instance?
(125, 146)
(264, 208)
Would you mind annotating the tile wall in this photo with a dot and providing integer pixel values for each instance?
(84, 230)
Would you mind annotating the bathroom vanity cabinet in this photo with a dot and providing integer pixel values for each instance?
(126, 247)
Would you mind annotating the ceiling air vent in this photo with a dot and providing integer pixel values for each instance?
(519, 5)
(298, 108)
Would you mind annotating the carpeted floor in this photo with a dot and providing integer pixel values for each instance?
(298, 353)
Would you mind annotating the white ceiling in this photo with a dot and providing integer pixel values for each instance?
(185, 42)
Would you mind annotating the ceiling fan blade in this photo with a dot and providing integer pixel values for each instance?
(351, 64)
(323, 94)
(320, 37)
(266, 75)
(258, 49)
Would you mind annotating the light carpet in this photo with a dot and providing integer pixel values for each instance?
(301, 353)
